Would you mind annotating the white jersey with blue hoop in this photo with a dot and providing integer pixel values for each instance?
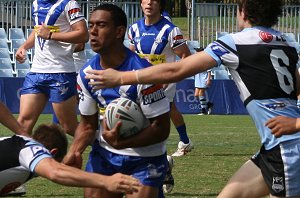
(19, 155)
(263, 64)
(151, 99)
(54, 56)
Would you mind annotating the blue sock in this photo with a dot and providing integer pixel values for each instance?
(54, 119)
(183, 134)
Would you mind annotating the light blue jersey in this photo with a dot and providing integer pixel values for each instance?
(263, 64)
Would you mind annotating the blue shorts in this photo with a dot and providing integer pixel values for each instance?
(57, 86)
(201, 80)
(150, 171)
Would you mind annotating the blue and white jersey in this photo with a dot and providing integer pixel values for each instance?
(59, 15)
(19, 155)
(263, 64)
(151, 99)
(160, 39)
(156, 44)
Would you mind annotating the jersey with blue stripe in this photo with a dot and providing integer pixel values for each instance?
(156, 43)
(159, 38)
(151, 99)
(58, 16)
(19, 157)
(263, 64)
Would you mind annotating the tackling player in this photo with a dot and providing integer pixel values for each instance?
(23, 158)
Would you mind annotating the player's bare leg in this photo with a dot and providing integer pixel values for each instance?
(247, 182)
(31, 106)
(66, 112)
(144, 191)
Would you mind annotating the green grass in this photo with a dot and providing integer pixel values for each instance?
(222, 144)
(182, 23)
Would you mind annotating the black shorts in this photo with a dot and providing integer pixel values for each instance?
(272, 168)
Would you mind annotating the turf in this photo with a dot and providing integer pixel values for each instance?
(222, 144)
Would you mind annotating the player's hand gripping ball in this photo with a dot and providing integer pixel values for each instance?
(128, 112)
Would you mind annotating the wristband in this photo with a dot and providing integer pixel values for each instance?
(298, 103)
(50, 35)
(137, 76)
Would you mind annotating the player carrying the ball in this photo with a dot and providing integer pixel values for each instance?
(143, 155)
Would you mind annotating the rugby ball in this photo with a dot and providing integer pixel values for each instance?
(126, 111)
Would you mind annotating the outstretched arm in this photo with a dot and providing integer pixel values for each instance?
(281, 125)
(157, 74)
(69, 176)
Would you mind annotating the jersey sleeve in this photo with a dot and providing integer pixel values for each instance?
(223, 51)
(131, 34)
(152, 100)
(73, 11)
(176, 38)
(87, 104)
(32, 154)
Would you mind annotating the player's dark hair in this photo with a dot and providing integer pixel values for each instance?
(261, 13)
(52, 136)
(117, 14)
(162, 5)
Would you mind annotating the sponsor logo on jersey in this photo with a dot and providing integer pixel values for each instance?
(276, 106)
(218, 49)
(265, 36)
(154, 59)
(37, 150)
(153, 94)
(44, 8)
(148, 34)
(277, 184)
(72, 11)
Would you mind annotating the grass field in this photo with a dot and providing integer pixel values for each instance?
(222, 144)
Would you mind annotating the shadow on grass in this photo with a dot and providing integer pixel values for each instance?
(192, 195)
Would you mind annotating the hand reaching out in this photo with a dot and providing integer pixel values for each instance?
(103, 78)
(122, 183)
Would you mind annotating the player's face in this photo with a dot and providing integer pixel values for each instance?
(102, 31)
(151, 8)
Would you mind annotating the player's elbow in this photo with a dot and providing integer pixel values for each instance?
(54, 174)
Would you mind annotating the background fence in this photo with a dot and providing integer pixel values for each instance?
(205, 21)
(212, 18)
